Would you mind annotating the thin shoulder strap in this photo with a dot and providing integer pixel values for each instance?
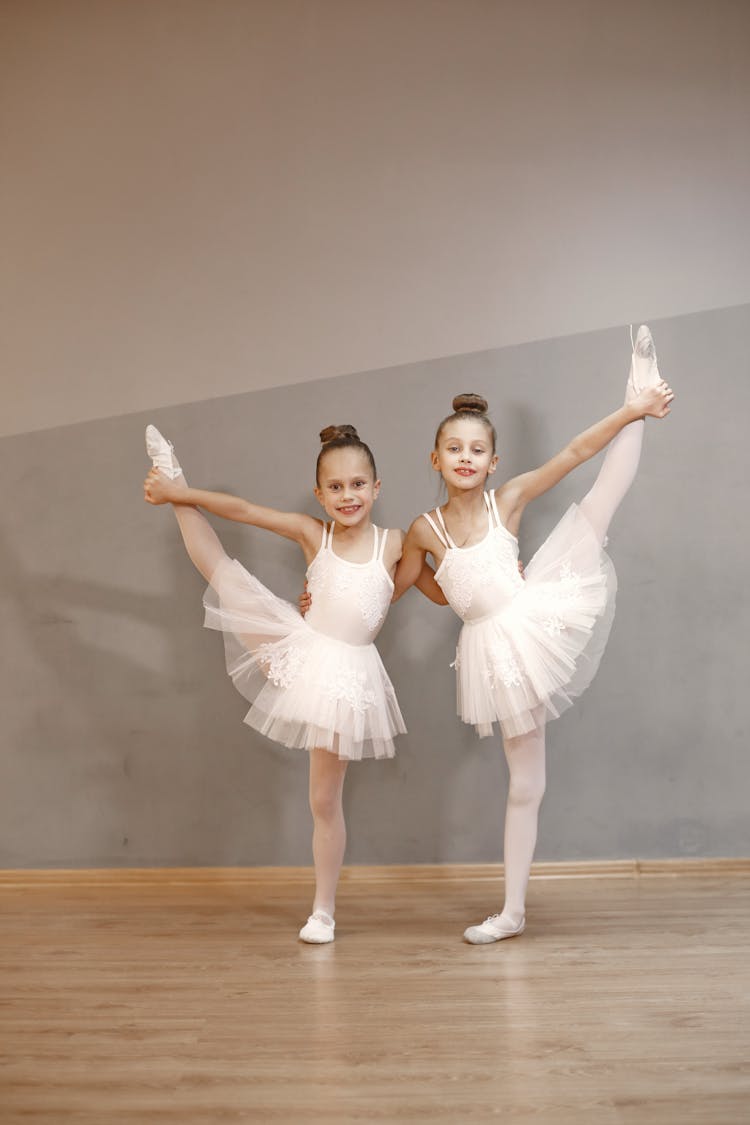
(489, 499)
(498, 521)
(383, 537)
(374, 543)
(327, 536)
(436, 529)
(439, 515)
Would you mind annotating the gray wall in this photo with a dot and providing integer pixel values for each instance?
(203, 197)
(212, 209)
(124, 741)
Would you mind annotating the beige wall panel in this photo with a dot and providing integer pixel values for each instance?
(209, 198)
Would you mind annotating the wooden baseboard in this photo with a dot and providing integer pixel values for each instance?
(427, 872)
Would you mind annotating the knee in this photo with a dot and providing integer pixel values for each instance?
(325, 803)
(526, 792)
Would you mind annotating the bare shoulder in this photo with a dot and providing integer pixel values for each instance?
(420, 534)
(394, 547)
(310, 533)
(509, 495)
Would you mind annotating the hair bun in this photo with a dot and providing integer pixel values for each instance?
(470, 404)
(331, 433)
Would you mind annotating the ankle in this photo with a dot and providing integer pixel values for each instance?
(324, 908)
(513, 914)
(178, 484)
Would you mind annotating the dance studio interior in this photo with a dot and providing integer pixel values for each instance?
(305, 304)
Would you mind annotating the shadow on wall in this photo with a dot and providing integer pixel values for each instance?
(116, 719)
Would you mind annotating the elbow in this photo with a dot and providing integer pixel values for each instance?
(399, 588)
(577, 452)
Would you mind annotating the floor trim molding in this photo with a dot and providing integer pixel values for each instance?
(426, 872)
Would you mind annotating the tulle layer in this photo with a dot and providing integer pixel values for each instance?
(306, 689)
(533, 658)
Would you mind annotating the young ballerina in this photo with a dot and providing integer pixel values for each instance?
(316, 684)
(529, 645)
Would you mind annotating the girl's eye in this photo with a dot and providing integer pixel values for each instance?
(360, 483)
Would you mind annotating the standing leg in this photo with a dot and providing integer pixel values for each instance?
(527, 765)
(327, 774)
(526, 759)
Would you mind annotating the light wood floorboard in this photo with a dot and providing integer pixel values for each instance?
(627, 1000)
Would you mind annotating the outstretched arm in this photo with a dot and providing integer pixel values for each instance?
(515, 494)
(303, 529)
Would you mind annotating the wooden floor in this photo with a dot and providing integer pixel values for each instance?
(626, 1000)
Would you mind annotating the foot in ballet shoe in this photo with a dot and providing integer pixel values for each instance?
(644, 371)
(494, 928)
(318, 929)
(162, 453)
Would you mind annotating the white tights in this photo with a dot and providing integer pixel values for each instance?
(526, 754)
(327, 771)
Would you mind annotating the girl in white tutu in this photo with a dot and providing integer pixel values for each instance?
(316, 684)
(529, 645)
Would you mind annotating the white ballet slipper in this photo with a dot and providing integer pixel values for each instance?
(318, 929)
(162, 453)
(492, 929)
(644, 370)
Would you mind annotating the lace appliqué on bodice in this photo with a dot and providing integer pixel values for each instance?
(469, 571)
(462, 579)
(319, 579)
(371, 598)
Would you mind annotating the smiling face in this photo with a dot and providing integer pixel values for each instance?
(463, 455)
(346, 486)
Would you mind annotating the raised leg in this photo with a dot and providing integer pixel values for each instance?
(624, 453)
(615, 478)
(201, 541)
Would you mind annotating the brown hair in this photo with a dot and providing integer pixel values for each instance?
(342, 437)
(468, 406)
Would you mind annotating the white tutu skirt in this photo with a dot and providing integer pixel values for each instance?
(528, 662)
(306, 689)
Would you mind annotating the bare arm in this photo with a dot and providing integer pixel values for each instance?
(427, 585)
(413, 569)
(303, 529)
(292, 525)
(515, 494)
